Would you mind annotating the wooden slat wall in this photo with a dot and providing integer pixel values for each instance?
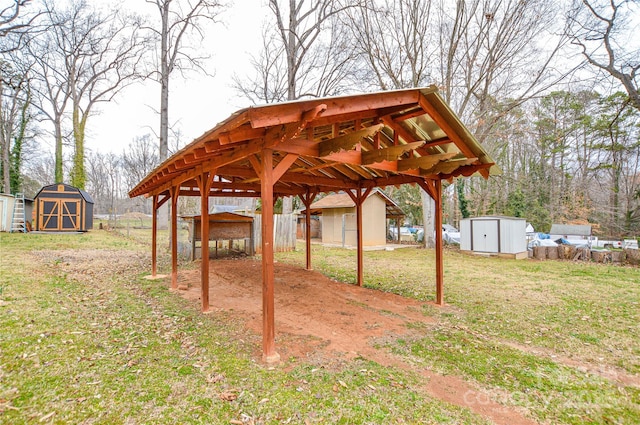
(284, 232)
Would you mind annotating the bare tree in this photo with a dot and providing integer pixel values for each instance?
(306, 53)
(101, 56)
(178, 20)
(15, 23)
(85, 58)
(603, 31)
(50, 91)
(486, 56)
(104, 180)
(138, 160)
(14, 102)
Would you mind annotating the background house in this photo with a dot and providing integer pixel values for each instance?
(338, 224)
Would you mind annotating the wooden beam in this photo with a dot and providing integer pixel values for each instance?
(304, 179)
(283, 166)
(269, 354)
(241, 134)
(347, 141)
(255, 163)
(428, 187)
(424, 162)
(391, 153)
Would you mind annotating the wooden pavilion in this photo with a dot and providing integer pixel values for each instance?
(352, 143)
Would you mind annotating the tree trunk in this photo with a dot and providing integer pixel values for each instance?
(16, 152)
(4, 146)
(59, 175)
(78, 175)
(163, 211)
(428, 214)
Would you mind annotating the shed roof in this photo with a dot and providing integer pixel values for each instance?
(571, 229)
(338, 143)
(67, 188)
(343, 200)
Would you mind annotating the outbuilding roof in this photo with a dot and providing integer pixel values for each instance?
(343, 200)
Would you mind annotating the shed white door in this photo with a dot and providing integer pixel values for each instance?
(485, 236)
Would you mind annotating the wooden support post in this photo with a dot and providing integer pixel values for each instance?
(307, 200)
(359, 240)
(307, 237)
(175, 192)
(358, 198)
(269, 353)
(204, 184)
(439, 261)
(154, 237)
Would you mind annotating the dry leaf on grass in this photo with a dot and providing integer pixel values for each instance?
(228, 396)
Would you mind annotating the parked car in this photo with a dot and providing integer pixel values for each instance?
(449, 234)
(405, 234)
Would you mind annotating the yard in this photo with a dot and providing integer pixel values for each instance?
(84, 338)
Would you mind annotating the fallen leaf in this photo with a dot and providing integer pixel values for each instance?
(227, 396)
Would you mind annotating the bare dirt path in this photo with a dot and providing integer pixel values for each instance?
(329, 319)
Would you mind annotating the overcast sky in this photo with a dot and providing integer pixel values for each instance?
(196, 103)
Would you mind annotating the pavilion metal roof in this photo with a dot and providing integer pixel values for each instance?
(329, 144)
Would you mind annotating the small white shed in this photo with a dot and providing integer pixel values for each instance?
(494, 235)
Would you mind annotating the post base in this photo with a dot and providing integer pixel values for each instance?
(271, 359)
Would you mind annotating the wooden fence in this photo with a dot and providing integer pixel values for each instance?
(284, 232)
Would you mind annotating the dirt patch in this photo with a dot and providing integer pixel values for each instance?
(320, 319)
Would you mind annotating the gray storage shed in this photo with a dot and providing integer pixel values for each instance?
(494, 235)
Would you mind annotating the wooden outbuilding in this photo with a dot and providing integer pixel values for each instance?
(338, 212)
(351, 143)
(63, 208)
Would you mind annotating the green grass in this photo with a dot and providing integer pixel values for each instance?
(509, 324)
(85, 339)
